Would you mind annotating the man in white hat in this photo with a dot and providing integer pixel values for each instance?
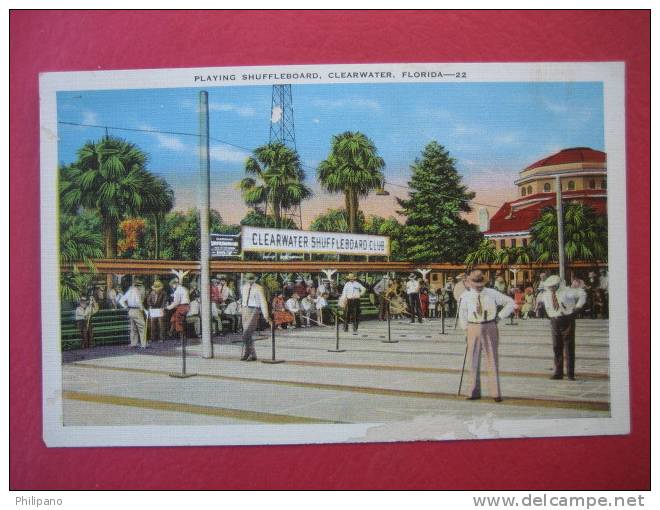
(412, 291)
(83, 315)
(134, 301)
(561, 305)
(479, 315)
(253, 301)
(351, 294)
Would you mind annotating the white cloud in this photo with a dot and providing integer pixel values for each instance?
(463, 130)
(316, 121)
(89, 117)
(165, 141)
(243, 111)
(554, 107)
(226, 154)
(275, 115)
(169, 142)
(506, 139)
(354, 102)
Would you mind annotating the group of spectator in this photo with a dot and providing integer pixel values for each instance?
(528, 296)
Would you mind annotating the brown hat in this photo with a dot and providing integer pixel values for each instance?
(477, 279)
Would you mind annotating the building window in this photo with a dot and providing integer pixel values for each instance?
(529, 190)
(513, 243)
(546, 187)
(502, 243)
(592, 184)
(524, 241)
(603, 184)
(523, 191)
(571, 185)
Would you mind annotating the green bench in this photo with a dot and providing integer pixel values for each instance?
(367, 309)
(110, 328)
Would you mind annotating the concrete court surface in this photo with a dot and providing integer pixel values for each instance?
(371, 382)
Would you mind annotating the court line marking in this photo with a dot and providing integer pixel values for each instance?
(590, 405)
(395, 368)
(178, 407)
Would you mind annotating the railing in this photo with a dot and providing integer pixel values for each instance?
(110, 327)
(144, 267)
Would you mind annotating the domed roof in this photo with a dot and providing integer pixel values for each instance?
(572, 155)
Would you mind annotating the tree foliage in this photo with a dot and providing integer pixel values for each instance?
(275, 180)
(585, 234)
(353, 168)
(434, 229)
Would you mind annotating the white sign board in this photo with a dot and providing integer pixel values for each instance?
(302, 241)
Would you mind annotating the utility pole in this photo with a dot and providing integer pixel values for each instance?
(560, 231)
(205, 244)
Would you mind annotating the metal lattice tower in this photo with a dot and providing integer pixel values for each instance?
(282, 125)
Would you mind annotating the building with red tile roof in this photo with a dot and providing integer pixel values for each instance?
(582, 173)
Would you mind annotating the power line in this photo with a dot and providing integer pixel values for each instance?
(224, 142)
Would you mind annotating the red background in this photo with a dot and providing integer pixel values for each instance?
(68, 41)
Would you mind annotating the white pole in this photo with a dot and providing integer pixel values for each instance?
(560, 231)
(204, 198)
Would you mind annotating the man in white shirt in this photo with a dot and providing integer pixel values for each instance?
(134, 301)
(308, 305)
(351, 294)
(412, 291)
(380, 289)
(478, 316)
(321, 305)
(233, 311)
(181, 306)
(253, 301)
(561, 305)
(83, 315)
(193, 316)
(293, 306)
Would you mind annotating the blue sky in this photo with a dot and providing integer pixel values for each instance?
(493, 130)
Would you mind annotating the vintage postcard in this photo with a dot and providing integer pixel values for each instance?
(333, 253)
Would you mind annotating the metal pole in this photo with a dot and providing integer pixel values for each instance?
(272, 360)
(389, 328)
(183, 374)
(337, 349)
(204, 198)
(460, 384)
(442, 317)
(560, 231)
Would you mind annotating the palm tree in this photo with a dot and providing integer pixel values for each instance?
(484, 254)
(353, 168)
(158, 201)
(275, 180)
(585, 234)
(334, 220)
(77, 243)
(108, 177)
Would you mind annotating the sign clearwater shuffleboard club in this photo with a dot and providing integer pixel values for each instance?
(300, 241)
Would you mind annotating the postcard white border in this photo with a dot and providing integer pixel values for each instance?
(55, 434)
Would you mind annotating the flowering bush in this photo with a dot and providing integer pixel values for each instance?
(132, 231)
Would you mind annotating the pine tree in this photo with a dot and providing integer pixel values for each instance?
(434, 230)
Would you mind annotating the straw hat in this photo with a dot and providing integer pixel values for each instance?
(249, 276)
(350, 276)
(476, 279)
(157, 285)
(552, 281)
